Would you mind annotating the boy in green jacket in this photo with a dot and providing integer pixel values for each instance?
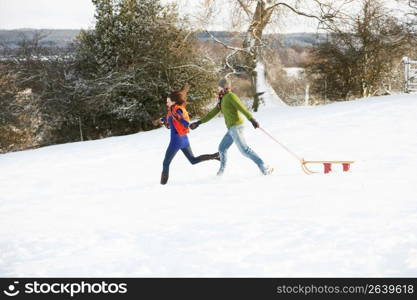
(232, 108)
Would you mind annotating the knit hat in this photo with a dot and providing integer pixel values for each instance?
(225, 83)
(180, 96)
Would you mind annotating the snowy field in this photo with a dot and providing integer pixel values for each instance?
(97, 209)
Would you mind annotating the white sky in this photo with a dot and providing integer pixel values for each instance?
(59, 14)
(76, 14)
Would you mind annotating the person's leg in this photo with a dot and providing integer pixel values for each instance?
(224, 145)
(237, 134)
(169, 155)
(190, 156)
(195, 160)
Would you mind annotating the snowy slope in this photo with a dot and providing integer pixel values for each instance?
(97, 208)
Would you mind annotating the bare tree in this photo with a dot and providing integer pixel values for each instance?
(413, 5)
(413, 13)
(256, 15)
(361, 55)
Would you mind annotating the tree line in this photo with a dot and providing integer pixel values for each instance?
(114, 79)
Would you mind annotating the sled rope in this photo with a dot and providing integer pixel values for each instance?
(282, 145)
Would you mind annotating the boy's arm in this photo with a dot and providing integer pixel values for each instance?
(240, 107)
(206, 118)
(211, 114)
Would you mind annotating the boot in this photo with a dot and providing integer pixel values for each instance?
(164, 178)
(209, 156)
(268, 171)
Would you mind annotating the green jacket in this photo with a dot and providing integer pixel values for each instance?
(231, 107)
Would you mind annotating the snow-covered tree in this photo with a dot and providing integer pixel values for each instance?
(257, 15)
(113, 80)
(31, 95)
(361, 54)
(137, 53)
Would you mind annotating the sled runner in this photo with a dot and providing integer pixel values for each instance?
(327, 164)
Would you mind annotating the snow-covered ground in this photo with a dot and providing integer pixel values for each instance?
(97, 208)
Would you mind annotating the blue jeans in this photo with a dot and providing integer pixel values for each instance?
(235, 134)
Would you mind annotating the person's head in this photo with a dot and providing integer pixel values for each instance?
(180, 97)
(169, 102)
(224, 84)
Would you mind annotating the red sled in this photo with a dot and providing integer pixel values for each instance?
(327, 164)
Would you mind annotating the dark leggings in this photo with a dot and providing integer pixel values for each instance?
(171, 152)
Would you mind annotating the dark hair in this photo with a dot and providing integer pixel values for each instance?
(180, 96)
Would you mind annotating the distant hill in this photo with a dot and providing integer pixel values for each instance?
(302, 39)
(62, 37)
(53, 37)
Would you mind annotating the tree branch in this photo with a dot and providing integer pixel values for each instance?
(246, 50)
(192, 66)
(293, 10)
(248, 12)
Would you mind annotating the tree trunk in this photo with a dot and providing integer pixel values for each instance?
(307, 95)
(81, 129)
(254, 89)
(252, 42)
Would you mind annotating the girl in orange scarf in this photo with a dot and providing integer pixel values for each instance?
(178, 121)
